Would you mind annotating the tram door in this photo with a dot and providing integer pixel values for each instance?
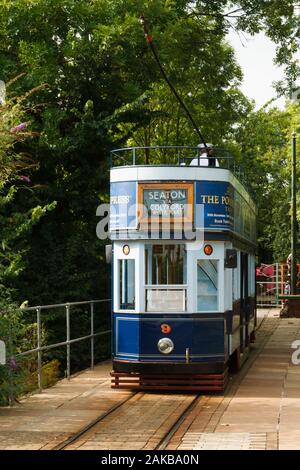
(244, 302)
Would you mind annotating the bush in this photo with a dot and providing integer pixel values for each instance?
(12, 374)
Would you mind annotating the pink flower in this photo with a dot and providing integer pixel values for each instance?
(25, 178)
(18, 128)
(12, 364)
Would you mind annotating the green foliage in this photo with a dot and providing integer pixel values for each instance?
(15, 225)
(11, 162)
(265, 143)
(278, 19)
(19, 375)
(12, 374)
(50, 375)
(104, 90)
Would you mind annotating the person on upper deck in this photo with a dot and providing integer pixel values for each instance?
(206, 157)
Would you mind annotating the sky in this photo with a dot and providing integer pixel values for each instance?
(255, 54)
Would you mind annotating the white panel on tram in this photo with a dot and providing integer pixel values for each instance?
(154, 173)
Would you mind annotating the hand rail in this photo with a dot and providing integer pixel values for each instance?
(40, 349)
(174, 155)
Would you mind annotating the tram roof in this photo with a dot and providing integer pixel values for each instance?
(177, 156)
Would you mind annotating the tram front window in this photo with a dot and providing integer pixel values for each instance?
(165, 278)
(165, 264)
(207, 285)
(127, 284)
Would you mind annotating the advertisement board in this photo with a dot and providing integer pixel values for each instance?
(218, 200)
(123, 205)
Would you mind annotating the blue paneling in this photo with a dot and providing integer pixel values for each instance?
(122, 205)
(126, 331)
(181, 335)
(217, 198)
(136, 337)
(208, 337)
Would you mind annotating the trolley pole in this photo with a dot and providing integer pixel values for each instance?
(293, 218)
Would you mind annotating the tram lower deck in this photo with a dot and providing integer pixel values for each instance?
(183, 300)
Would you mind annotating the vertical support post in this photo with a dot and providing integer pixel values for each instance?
(277, 284)
(92, 337)
(133, 156)
(293, 218)
(282, 280)
(68, 340)
(39, 344)
(10, 373)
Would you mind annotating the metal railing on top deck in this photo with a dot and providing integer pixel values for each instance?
(173, 155)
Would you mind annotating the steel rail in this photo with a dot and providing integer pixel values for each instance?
(86, 302)
(63, 445)
(63, 343)
(170, 433)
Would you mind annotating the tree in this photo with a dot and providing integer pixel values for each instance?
(278, 19)
(102, 86)
(14, 225)
(265, 144)
(104, 90)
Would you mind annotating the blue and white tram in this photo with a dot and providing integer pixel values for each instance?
(183, 264)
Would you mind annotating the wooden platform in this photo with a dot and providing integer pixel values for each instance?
(201, 382)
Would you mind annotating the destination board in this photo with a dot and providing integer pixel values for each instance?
(166, 202)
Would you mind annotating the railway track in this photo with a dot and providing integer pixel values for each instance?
(71, 440)
(186, 403)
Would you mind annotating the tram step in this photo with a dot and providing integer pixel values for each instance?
(208, 382)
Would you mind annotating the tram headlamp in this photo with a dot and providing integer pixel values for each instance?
(208, 249)
(126, 250)
(165, 345)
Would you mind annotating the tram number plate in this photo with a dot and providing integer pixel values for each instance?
(165, 328)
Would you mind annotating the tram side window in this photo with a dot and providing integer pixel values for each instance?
(127, 284)
(207, 285)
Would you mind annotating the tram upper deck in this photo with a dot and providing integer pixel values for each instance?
(171, 184)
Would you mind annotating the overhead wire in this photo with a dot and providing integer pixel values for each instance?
(149, 39)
